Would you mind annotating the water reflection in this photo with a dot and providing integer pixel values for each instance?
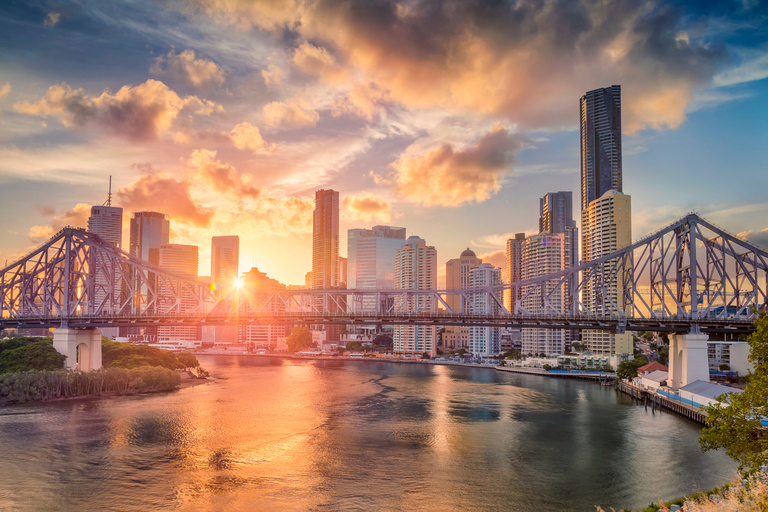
(276, 434)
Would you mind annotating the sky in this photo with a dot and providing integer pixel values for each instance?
(448, 118)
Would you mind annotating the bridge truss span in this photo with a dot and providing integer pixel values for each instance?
(688, 276)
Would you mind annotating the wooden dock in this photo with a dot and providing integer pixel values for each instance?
(655, 400)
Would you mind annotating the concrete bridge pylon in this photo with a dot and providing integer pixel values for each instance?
(81, 346)
(688, 361)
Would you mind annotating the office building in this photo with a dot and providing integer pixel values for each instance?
(256, 336)
(325, 240)
(606, 227)
(181, 260)
(457, 278)
(415, 269)
(371, 261)
(485, 341)
(542, 254)
(107, 223)
(606, 224)
(225, 259)
(149, 230)
(556, 212)
(600, 143)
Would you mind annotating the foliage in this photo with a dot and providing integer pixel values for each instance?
(547, 367)
(299, 339)
(647, 336)
(384, 340)
(21, 354)
(664, 355)
(128, 355)
(355, 346)
(628, 369)
(48, 385)
(724, 367)
(425, 355)
(736, 426)
(512, 354)
(577, 347)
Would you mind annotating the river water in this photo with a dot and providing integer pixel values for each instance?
(278, 434)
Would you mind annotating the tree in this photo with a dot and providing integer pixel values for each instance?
(299, 339)
(628, 369)
(735, 423)
(23, 354)
(647, 336)
(664, 355)
(577, 347)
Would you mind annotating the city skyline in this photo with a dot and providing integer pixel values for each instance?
(230, 122)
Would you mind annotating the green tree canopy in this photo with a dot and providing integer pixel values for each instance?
(299, 339)
(736, 425)
(628, 369)
(23, 354)
(127, 355)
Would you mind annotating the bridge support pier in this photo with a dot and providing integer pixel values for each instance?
(81, 346)
(688, 359)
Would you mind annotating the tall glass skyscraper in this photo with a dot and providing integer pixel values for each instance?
(371, 260)
(225, 259)
(600, 143)
(325, 240)
(606, 222)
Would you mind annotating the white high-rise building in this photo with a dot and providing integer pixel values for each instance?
(107, 223)
(181, 260)
(457, 278)
(606, 226)
(484, 341)
(415, 269)
(371, 261)
(542, 254)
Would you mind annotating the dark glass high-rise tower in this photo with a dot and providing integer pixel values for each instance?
(600, 143)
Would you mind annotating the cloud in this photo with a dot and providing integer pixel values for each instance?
(272, 76)
(363, 100)
(315, 60)
(755, 68)
(247, 136)
(527, 62)
(294, 112)
(162, 192)
(186, 66)
(367, 207)
(76, 217)
(138, 113)
(445, 176)
(497, 259)
(5, 90)
(202, 164)
(52, 19)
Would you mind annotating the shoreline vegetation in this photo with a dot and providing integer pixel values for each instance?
(31, 370)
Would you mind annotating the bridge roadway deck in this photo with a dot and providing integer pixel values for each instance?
(668, 324)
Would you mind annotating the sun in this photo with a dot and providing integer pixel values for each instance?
(238, 282)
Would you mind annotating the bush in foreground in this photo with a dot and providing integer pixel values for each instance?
(49, 385)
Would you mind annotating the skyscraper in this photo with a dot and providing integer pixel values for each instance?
(325, 240)
(371, 260)
(606, 227)
(556, 212)
(181, 260)
(600, 143)
(107, 222)
(543, 254)
(606, 222)
(514, 262)
(225, 258)
(484, 341)
(457, 275)
(149, 230)
(415, 269)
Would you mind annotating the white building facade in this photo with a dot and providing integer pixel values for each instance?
(371, 261)
(485, 341)
(415, 269)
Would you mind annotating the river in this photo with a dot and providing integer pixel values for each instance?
(280, 434)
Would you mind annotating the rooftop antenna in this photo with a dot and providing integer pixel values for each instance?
(109, 195)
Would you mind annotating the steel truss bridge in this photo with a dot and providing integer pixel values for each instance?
(690, 276)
